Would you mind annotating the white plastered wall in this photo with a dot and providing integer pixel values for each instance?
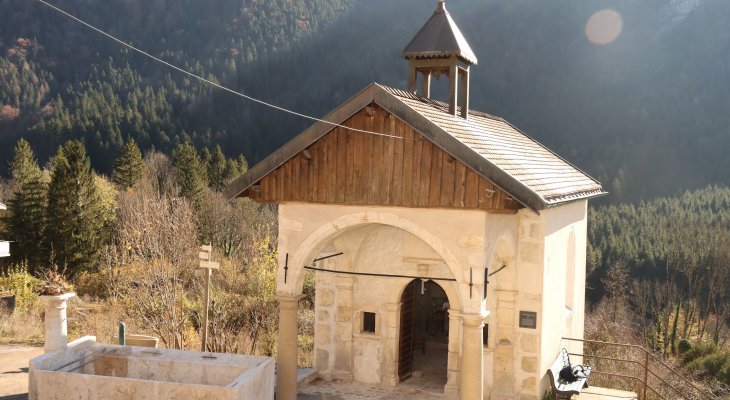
(565, 232)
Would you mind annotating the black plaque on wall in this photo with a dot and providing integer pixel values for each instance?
(528, 319)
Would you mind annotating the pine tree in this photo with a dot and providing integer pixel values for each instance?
(129, 168)
(75, 215)
(236, 167)
(27, 218)
(217, 178)
(191, 174)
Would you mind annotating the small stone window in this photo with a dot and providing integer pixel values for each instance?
(485, 335)
(368, 322)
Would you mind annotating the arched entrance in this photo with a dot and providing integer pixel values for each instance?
(424, 335)
(362, 285)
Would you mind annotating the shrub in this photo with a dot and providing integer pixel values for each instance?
(18, 281)
(714, 363)
(95, 284)
(724, 375)
(683, 346)
(697, 351)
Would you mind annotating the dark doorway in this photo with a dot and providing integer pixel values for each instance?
(424, 334)
(405, 346)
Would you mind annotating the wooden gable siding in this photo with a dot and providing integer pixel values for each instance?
(355, 168)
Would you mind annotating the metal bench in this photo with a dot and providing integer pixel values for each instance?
(565, 390)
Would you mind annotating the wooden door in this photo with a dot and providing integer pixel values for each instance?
(405, 345)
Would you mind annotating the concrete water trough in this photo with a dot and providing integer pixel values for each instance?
(88, 370)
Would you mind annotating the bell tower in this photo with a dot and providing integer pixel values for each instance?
(439, 48)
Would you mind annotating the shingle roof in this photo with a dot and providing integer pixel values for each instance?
(535, 176)
(440, 37)
(512, 151)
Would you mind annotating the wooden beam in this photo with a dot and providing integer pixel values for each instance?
(453, 88)
(464, 94)
(426, 84)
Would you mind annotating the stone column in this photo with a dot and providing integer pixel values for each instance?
(286, 356)
(56, 325)
(452, 372)
(472, 357)
(389, 317)
(343, 328)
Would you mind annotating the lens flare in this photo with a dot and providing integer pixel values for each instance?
(603, 27)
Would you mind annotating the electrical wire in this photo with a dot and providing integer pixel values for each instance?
(217, 85)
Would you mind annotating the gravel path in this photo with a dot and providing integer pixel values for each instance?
(14, 370)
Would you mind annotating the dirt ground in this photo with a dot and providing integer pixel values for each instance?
(14, 370)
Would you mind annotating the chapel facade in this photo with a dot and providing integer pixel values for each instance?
(449, 247)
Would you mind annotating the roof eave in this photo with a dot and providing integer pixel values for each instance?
(576, 197)
(469, 59)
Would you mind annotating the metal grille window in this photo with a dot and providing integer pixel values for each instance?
(368, 322)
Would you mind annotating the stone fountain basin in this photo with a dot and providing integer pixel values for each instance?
(88, 370)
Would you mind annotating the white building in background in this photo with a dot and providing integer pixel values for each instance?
(4, 246)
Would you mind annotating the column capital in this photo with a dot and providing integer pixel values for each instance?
(474, 320)
(287, 301)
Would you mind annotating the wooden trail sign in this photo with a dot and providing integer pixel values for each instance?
(205, 256)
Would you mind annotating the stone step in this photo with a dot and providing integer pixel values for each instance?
(598, 393)
(305, 376)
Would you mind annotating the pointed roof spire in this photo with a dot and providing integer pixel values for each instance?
(440, 38)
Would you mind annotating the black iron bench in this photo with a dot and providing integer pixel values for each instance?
(563, 389)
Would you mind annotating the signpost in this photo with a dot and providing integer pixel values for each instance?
(205, 263)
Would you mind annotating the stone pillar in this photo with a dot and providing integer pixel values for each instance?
(56, 325)
(504, 352)
(391, 321)
(343, 328)
(472, 357)
(452, 372)
(286, 356)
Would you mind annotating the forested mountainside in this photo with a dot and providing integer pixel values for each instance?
(60, 80)
(661, 268)
(644, 114)
(663, 236)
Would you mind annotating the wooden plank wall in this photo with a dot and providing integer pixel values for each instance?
(355, 168)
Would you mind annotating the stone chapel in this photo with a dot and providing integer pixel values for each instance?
(449, 247)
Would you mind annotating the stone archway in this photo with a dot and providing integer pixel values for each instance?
(289, 287)
(318, 240)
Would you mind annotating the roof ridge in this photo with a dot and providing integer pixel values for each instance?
(439, 103)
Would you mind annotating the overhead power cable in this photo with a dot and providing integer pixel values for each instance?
(217, 85)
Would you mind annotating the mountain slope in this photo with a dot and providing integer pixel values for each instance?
(644, 114)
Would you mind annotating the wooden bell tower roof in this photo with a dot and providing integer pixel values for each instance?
(440, 38)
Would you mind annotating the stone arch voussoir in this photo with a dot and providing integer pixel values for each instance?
(319, 239)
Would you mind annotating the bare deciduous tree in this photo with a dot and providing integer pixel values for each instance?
(156, 245)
